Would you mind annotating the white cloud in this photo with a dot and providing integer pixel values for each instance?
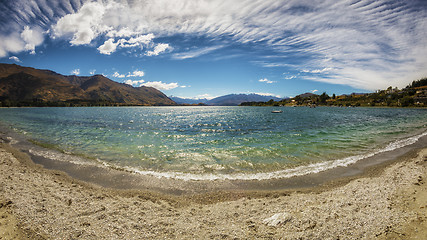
(378, 39)
(95, 19)
(75, 71)
(135, 83)
(84, 25)
(14, 58)
(32, 38)
(136, 73)
(12, 43)
(160, 85)
(195, 53)
(22, 39)
(123, 32)
(108, 47)
(315, 90)
(118, 75)
(375, 43)
(141, 40)
(159, 48)
(265, 80)
(92, 72)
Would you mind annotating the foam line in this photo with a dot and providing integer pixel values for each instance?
(287, 173)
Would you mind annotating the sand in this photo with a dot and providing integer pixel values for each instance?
(37, 203)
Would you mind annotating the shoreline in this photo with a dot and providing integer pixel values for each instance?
(385, 201)
(122, 179)
(49, 204)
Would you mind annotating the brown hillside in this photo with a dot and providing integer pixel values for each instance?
(24, 84)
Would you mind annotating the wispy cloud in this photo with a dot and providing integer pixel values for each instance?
(274, 64)
(376, 43)
(196, 53)
(317, 70)
(290, 77)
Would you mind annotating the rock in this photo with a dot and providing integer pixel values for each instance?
(277, 219)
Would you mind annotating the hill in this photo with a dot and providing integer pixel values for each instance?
(25, 86)
(414, 95)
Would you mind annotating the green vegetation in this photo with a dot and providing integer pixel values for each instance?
(414, 95)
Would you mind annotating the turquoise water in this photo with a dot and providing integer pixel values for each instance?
(220, 142)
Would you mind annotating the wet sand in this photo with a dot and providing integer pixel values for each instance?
(387, 201)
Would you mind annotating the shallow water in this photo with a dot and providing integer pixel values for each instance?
(220, 142)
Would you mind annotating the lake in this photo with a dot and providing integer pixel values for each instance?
(208, 143)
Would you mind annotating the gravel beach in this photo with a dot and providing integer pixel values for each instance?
(37, 203)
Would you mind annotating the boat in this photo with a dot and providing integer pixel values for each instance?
(276, 111)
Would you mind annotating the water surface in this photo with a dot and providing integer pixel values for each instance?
(220, 142)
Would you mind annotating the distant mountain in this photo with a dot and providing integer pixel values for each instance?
(33, 87)
(236, 99)
(226, 100)
(188, 100)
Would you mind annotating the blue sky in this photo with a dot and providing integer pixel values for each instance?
(201, 48)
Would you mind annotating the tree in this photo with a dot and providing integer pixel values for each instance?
(406, 101)
(323, 98)
(298, 99)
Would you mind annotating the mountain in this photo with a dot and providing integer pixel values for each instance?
(226, 100)
(25, 86)
(188, 100)
(236, 99)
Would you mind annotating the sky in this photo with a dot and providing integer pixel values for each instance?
(209, 48)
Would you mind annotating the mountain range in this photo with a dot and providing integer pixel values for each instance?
(25, 86)
(226, 100)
